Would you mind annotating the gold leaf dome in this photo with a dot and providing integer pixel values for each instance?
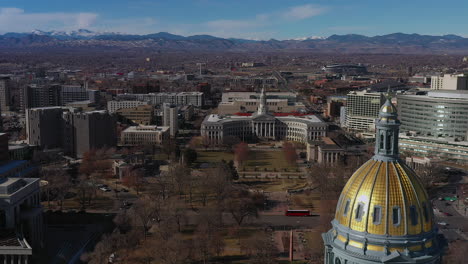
(383, 214)
(385, 198)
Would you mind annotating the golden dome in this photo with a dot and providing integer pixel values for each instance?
(384, 213)
(385, 198)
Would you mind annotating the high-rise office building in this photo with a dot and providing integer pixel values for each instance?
(170, 113)
(73, 131)
(439, 114)
(85, 131)
(362, 108)
(44, 126)
(56, 95)
(5, 102)
(449, 82)
(73, 93)
(41, 96)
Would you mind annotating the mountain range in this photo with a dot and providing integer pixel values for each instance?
(350, 43)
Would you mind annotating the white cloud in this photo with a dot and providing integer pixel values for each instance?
(303, 12)
(257, 27)
(17, 20)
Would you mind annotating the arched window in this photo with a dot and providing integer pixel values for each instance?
(377, 215)
(359, 211)
(413, 215)
(346, 209)
(396, 215)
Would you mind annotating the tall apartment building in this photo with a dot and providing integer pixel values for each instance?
(21, 221)
(362, 108)
(439, 114)
(449, 82)
(5, 102)
(84, 131)
(170, 119)
(113, 106)
(73, 131)
(44, 126)
(183, 98)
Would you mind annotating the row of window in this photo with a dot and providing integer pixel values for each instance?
(396, 213)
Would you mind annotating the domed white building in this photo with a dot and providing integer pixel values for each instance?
(263, 125)
(384, 214)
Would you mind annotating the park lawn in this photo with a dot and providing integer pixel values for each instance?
(275, 185)
(213, 156)
(269, 160)
(100, 202)
(232, 246)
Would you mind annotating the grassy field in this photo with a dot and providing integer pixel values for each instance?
(213, 156)
(274, 185)
(270, 160)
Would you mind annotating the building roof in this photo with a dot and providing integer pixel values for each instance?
(11, 165)
(214, 118)
(147, 129)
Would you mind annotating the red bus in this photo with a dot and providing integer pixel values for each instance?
(297, 213)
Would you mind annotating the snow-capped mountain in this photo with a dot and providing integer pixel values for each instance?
(309, 38)
(73, 34)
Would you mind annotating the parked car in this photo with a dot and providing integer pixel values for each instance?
(442, 223)
(105, 189)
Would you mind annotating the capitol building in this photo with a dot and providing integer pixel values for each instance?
(263, 125)
(384, 214)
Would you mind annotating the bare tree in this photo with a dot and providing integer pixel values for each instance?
(85, 192)
(260, 249)
(143, 213)
(241, 152)
(135, 180)
(456, 252)
(207, 242)
(289, 152)
(241, 204)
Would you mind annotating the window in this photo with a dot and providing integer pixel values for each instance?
(359, 211)
(396, 216)
(337, 261)
(413, 215)
(346, 209)
(377, 215)
(425, 211)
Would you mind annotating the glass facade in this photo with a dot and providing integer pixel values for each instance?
(434, 116)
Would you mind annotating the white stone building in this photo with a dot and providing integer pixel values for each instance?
(263, 125)
(144, 135)
(21, 219)
(113, 106)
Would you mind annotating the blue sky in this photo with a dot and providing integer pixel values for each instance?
(252, 19)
